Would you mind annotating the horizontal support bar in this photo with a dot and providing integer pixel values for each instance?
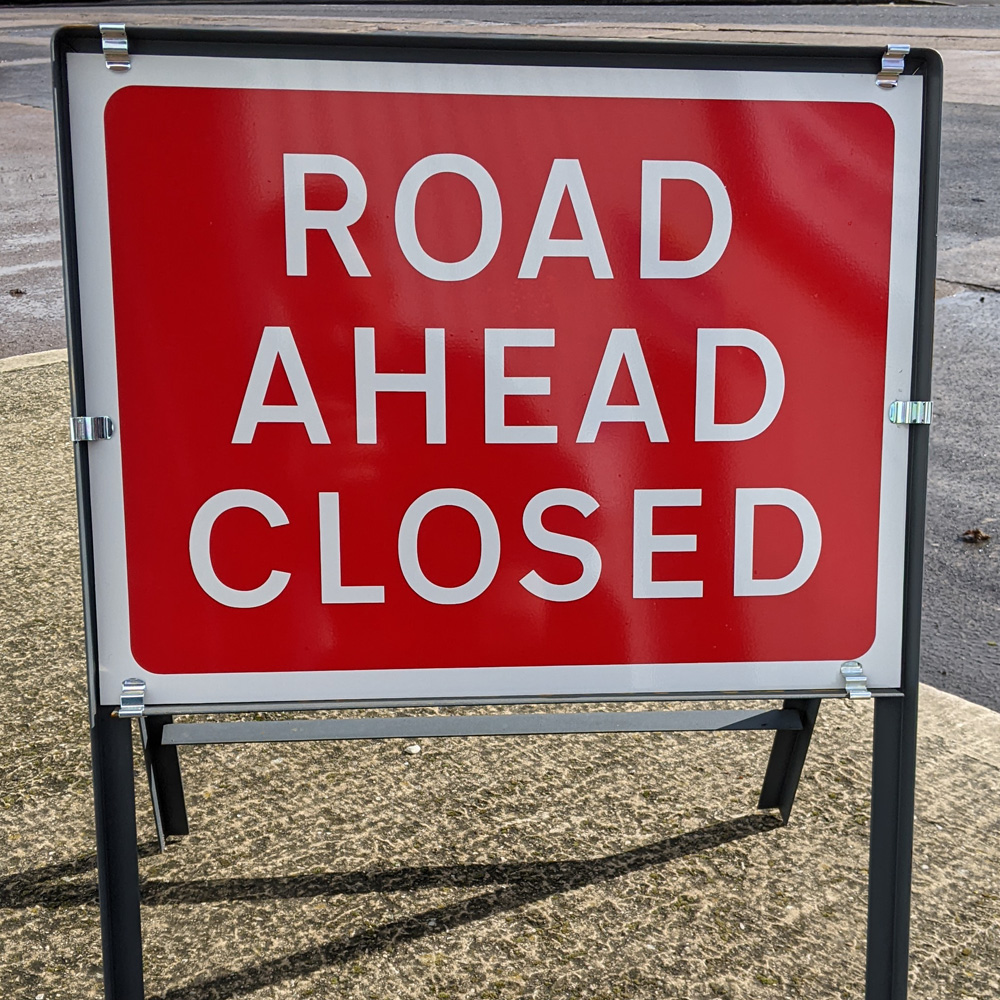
(222, 708)
(417, 727)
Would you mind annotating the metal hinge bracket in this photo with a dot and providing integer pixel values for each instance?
(132, 702)
(855, 680)
(114, 45)
(91, 428)
(892, 65)
(911, 411)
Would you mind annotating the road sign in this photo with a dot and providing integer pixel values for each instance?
(424, 369)
(439, 378)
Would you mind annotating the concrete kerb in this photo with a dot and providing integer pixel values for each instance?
(35, 360)
(975, 728)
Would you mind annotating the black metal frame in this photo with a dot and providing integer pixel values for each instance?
(894, 738)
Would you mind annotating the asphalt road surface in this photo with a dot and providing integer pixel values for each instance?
(962, 581)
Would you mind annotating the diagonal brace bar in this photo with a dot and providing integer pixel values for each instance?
(163, 770)
(788, 755)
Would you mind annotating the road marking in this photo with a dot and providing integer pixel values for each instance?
(23, 62)
(28, 240)
(18, 268)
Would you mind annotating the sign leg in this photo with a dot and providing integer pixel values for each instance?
(117, 856)
(891, 847)
(163, 770)
(788, 755)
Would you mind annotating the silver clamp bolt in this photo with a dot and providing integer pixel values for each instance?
(114, 45)
(855, 680)
(132, 702)
(91, 428)
(892, 65)
(911, 411)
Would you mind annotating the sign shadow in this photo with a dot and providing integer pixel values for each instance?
(521, 883)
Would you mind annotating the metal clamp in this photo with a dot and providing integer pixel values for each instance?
(892, 65)
(114, 45)
(132, 702)
(855, 680)
(90, 428)
(911, 411)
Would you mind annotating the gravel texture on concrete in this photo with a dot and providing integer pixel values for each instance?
(569, 867)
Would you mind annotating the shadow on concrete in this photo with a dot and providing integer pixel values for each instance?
(59, 885)
(47, 886)
(523, 883)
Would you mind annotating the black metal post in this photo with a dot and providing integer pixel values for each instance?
(891, 847)
(117, 855)
(788, 755)
(163, 770)
(894, 763)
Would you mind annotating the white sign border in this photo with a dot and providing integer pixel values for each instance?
(91, 85)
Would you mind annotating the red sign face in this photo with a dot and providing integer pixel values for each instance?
(422, 380)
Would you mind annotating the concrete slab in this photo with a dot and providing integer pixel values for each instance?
(572, 867)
